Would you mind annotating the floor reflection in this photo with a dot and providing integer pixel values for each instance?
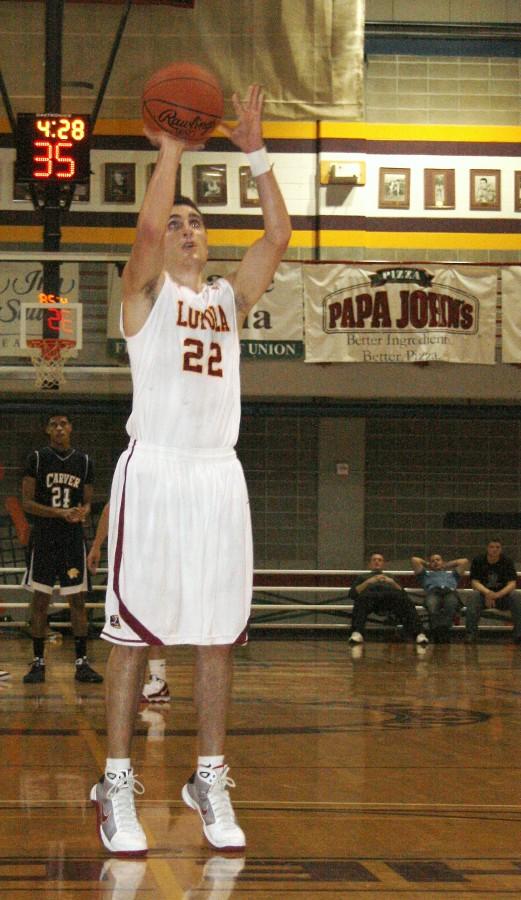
(121, 878)
(214, 878)
(217, 879)
(155, 724)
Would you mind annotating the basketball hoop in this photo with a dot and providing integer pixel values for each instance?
(48, 357)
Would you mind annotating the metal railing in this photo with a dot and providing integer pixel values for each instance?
(273, 606)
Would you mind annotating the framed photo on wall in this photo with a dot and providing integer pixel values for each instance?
(21, 189)
(439, 189)
(517, 190)
(82, 192)
(150, 168)
(120, 183)
(248, 187)
(394, 189)
(210, 185)
(485, 189)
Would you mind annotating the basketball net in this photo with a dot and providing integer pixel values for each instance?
(48, 356)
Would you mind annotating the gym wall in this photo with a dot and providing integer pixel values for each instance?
(419, 442)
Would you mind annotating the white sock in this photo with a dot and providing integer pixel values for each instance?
(115, 765)
(157, 668)
(209, 762)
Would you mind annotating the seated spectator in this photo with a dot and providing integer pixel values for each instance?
(493, 577)
(374, 591)
(439, 580)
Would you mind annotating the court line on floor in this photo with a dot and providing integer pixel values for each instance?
(316, 806)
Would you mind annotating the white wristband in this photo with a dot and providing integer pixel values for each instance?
(259, 162)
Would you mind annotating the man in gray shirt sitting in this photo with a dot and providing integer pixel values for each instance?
(439, 580)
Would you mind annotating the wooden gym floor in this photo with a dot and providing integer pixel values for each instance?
(389, 775)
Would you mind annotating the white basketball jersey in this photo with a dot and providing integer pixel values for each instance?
(185, 369)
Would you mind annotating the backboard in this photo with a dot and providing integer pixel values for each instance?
(50, 333)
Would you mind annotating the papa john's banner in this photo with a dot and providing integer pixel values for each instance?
(401, 313)
(273, 328)
(511, 314)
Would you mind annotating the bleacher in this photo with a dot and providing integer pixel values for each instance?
(313, 599)
(318, 598)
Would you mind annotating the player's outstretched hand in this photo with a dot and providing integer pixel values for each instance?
(93, 558)
(82, 512)
(247, 133)
(75, 514)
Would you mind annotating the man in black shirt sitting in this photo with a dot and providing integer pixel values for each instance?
(374, 591)
(493, 577)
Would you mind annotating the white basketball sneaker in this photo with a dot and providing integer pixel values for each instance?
(155, 691)
(208, 795)
(118, 824)
(356, 638)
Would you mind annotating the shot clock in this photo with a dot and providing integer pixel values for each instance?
(52, 148)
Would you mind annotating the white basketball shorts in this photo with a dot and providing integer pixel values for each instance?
(180, 548)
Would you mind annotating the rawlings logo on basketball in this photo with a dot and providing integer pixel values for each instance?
(169, 119)
(185, 100)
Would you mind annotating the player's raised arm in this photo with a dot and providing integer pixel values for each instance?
(260, 262)
(143, 273)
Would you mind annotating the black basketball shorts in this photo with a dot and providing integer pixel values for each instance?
(57, 558)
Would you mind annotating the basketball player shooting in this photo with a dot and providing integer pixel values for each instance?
(180, 554)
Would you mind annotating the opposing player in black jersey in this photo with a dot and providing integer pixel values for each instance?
(57, 492)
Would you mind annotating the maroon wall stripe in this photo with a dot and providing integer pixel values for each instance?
(493, 225)
(413, 148)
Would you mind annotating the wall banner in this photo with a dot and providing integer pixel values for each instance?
(116, 343)
(511, 320)
(22, 282)
(401, 313)
(273, 329)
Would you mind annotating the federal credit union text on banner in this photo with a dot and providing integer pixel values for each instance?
(273, 328)
(402, 313)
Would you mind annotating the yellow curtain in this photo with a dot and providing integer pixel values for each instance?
(308, 54)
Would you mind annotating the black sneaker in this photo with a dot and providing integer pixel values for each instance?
(85, 673)
(36, 673)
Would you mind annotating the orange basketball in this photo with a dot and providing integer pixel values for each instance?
(184, 100)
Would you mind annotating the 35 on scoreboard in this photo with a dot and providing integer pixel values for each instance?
(52, 148)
